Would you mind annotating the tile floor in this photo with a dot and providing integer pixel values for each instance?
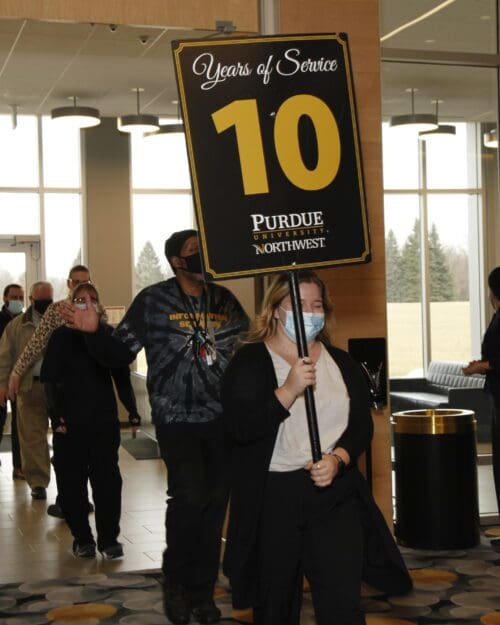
(36, 546)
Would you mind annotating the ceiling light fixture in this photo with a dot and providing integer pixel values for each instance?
(490, 138)
(139, 122)
(419, 121)
(76, 116)
(166, 129)
(418, 19)
(443, 130)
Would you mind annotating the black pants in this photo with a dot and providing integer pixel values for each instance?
(312, 532)
(197, 460)
(495, 444)
(89, 453)
(14, 439)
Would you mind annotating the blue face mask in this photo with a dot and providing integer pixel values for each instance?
(15, 307)
(313, 324)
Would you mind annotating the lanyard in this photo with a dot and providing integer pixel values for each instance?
(203, 346)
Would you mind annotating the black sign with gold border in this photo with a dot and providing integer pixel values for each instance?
(274, 152)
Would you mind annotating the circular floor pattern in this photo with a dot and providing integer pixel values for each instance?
(415, 599)
(144, 618)
(77, 594)
(26, 620)
(493, 618)
(123, 581)
(433, 579)
(486, 601)
(81, 612)
(42, 587)
(474, 567)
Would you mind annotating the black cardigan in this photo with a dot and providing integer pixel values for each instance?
(78, 388)
(253, 415)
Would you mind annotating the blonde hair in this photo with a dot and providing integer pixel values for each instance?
(265, 324)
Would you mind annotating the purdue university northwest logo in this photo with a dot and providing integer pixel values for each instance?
(273, 234)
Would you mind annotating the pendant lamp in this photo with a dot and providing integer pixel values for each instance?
(76, 116)
(139, 122)
(443, 130)
(419, 121)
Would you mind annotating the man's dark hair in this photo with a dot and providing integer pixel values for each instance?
(494, 282)
(78, 268)
(174, 243)
(9, 287)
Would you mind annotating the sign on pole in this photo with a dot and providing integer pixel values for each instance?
(274, 153)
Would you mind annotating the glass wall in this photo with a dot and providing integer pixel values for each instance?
(40, 192)
(434, 202)
(161, 202)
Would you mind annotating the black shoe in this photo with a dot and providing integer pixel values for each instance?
(176, 604)
(39, 492)
(207, 612)
(112, 552)
(83, 551)
(55, 510)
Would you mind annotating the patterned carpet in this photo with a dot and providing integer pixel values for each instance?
(461, 587)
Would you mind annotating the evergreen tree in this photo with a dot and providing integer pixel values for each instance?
(148, 269)
(393, 268)
(458, 265)
(440, 275)
(410, 266)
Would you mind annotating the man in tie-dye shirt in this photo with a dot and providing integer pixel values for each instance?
(189, 331)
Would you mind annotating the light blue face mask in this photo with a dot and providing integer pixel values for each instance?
(313, 324)
(15, 307)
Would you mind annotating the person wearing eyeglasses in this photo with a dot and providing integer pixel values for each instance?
(86, 433)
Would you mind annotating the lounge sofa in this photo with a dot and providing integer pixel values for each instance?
(444, 387)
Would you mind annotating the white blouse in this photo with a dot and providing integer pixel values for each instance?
(292, 449)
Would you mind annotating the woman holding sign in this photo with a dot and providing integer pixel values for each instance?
(290, 517)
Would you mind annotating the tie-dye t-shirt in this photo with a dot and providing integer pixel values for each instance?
(182, 387)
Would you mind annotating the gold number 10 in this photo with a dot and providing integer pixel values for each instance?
(244, 116)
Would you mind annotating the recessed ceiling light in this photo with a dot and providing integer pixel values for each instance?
(485, 17)
(430, 41)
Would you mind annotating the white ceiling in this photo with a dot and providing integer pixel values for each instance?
(42, 64)
(470, 26)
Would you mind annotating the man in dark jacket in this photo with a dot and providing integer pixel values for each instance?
(13, 304)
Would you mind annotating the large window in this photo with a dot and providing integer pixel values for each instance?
(435, 196)
(161, 202)
(40, 193)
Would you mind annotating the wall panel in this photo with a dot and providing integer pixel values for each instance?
(358, 291)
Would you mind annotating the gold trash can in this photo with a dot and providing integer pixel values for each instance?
(436, 478)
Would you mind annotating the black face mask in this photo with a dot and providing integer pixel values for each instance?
(193, 263)
(41, 305)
